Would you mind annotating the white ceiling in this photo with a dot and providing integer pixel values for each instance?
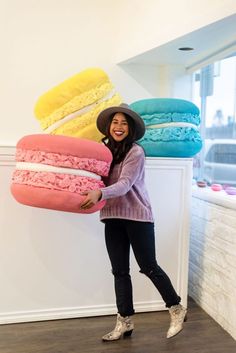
(210, 43)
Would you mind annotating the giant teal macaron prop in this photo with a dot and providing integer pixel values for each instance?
(171, 127)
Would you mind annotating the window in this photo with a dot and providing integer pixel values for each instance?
(214, 92)
(222, 153)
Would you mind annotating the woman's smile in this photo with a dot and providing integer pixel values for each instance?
(119, 128)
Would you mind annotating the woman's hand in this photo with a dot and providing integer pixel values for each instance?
(92, 197)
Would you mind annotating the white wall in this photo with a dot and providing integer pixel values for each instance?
(45, 42)
(145, 25)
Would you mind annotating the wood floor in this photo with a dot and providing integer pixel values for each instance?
(201, 334)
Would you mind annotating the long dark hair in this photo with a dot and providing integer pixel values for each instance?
(120, 149)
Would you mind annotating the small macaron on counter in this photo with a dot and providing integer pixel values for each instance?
(230, 190)
(225, 189)
(201, 184)
(53, 170)
(216, 187)
(171, 127)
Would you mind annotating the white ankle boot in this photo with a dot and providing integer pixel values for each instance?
(124, 326)
(178, 314)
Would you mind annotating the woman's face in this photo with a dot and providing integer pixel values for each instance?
(119, 128)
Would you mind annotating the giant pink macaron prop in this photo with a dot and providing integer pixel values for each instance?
(53, 170)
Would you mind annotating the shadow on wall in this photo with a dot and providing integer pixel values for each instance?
(144, 75)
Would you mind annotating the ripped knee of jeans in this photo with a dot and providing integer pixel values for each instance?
(120, 273)
(148, 272)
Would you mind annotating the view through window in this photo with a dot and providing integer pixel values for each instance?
(214, 92)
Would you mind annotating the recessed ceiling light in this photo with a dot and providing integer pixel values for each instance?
(185, 48)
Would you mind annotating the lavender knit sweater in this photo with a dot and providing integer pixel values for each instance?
(126, 192)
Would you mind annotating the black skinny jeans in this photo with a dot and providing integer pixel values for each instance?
(119, 235)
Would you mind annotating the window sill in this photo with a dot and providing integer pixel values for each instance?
(217, 197)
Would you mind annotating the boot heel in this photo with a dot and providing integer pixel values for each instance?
(124, 328)
(127, 333)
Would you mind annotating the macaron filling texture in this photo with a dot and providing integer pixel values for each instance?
(164, 125)
(87, 109)
(170, 117)
(58, 172)
(63, 160)
(56, 181)
(37, 167)
(171, 132)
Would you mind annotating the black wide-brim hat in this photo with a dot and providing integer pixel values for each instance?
(105, 116)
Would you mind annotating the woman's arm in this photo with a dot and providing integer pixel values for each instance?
(132, 167)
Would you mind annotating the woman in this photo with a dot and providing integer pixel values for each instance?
(128, 219)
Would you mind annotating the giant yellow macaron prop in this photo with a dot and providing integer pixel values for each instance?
(72, 107)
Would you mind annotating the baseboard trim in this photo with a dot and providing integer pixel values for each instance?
(7, 155)
(77, 312)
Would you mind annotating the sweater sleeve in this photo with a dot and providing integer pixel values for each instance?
(132, 168)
